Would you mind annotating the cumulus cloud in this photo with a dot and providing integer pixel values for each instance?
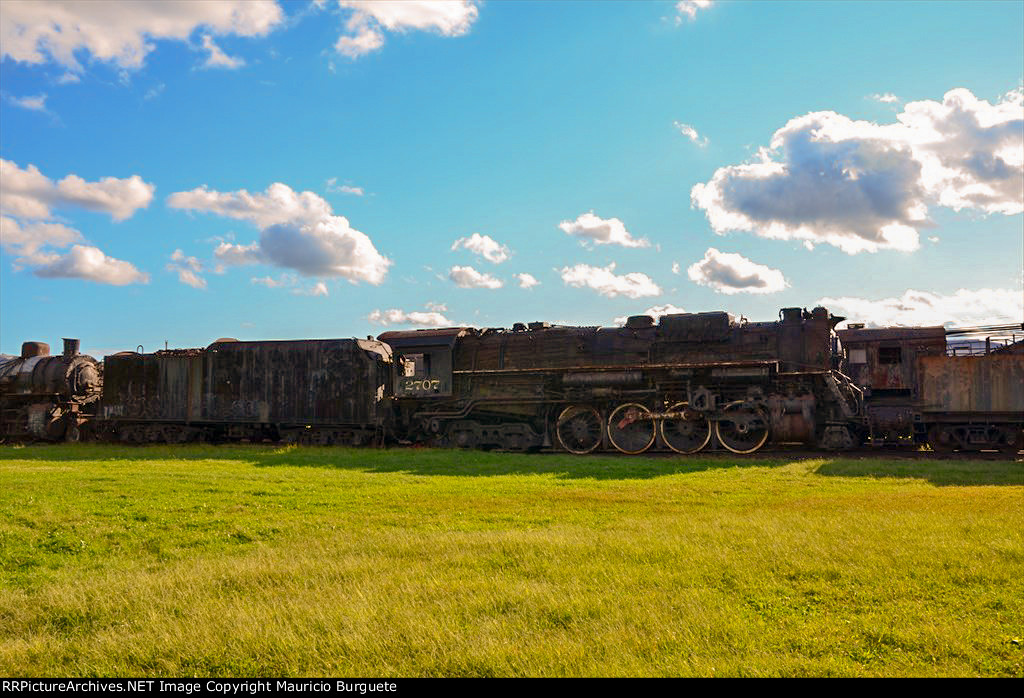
(299, 231)
(28, 193)
(28, 241)
(730, 273)
(89, 263)
(29, 231)
(887, 98)
(594, 229)
(468, 277)
(395, 316)
(687, 9)
(863, 187)
(527, 280)
(364, 30)
(964, 308)
(121, 32)
(187, 269)
(485, 246)
(691, 133)
(655, 311)
(607, 283)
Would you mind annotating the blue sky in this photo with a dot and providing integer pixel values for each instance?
(184, 172)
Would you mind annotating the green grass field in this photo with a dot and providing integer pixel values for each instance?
(245, 561)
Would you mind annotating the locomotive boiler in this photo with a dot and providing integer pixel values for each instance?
(45, 397)
(684, 383)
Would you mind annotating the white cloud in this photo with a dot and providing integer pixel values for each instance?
(485, 246)
(394, 316)
(688, 9)
(28, 240)
(691, 133)
(527, 280)
(468, 277)
(37, 103)
(217, 57)
(121, 32)
(611, 231)
(271, 282)
(28, 229)
(188, 269)
(371, 18)
(318, 289)
(887, 98)
(299, 231)
(675, 267)
(121, 198)
(655, 312)
(730, 273)
(332, 185)
(89, 263)
(863, 187)
(607, 283)
(964, 308)
(28, 193)
(238, 255)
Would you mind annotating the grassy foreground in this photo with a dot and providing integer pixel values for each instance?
(264, 561)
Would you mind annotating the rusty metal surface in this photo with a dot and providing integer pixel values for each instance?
(304, 382)
(442, 337)
(993, 383)
(886, 358)
(313, 382)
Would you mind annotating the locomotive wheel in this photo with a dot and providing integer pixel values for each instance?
(631, 428)
(685, 434)
(742, 428)
(579, 429)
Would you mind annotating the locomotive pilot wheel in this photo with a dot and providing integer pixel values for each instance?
(631, 428)
(742, 428)
(689, 432)
(579, 429)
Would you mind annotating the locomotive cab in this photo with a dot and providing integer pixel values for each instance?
(423, 361)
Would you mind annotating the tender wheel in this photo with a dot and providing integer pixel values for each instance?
(579, 429)
(631, 428)
(742, 428)
(942, 439)
(688, 433)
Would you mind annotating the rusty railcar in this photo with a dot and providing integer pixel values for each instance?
(687, 382)
(48, 398)
(922, 387)
(884, 363)
(972, 402)
(309, 391)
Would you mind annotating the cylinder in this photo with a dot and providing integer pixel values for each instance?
(71, 347)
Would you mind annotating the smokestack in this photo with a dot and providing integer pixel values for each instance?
(71, 347)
